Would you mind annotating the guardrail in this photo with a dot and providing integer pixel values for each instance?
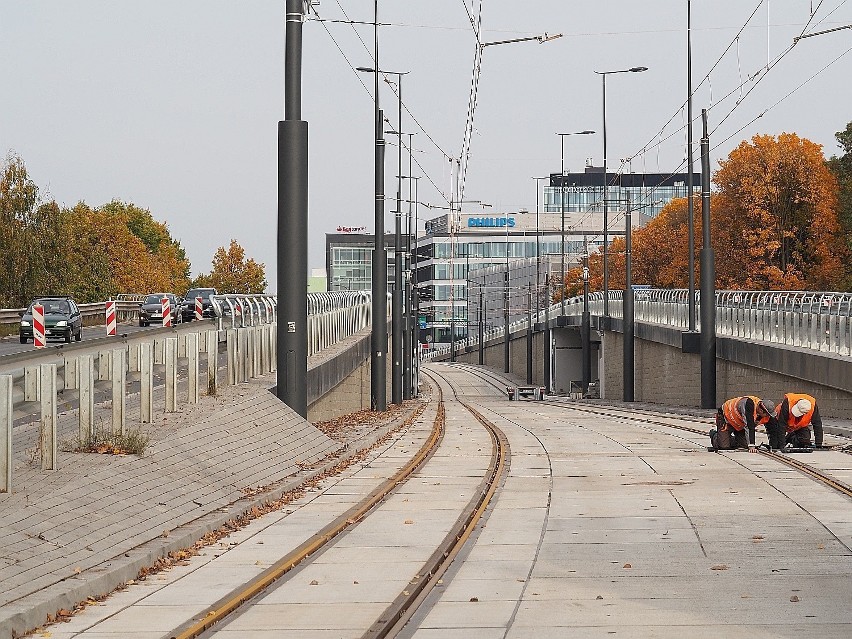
(820, 321)
(76, 380)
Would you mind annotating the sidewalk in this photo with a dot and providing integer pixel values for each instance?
(93, 524)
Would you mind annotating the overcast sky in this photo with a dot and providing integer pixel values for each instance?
(174, 105)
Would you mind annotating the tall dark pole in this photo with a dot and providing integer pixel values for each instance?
(547, 333)
(603, 75)
(708, 276)
(628, 372)
(506, 321)
(586, 324)
(415, 294)
(408, 333)
(379, 335)
(562, 208)
(529, 336)
(605, 211)
(292, 240)
(537, 253)
(689, 161)
(396, 300)
(481, 326)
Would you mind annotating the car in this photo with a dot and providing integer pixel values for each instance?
(187, 309)
(152, 309)
(62, 318)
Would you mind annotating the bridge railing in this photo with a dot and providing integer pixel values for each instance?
(814, 320)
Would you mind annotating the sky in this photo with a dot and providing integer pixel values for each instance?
(174, 105)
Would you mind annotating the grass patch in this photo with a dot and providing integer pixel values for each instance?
(105, 442)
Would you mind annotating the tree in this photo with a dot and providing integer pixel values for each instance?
(841, 167)
(787, 198)
(232, 273)
(774, 226)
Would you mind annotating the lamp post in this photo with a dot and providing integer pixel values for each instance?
(586, 323)
(562, 207)
(628, 373)
(292, 233)
(537, 248)
(396, 295)
(603, 75)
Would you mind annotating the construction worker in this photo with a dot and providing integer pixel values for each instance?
(797, 412)
(739, 414)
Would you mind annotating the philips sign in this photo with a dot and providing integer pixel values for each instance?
(491, 222)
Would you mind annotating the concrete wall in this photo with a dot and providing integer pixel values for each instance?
(666, 375)
(339, 378)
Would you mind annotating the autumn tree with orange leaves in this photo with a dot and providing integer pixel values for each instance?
(774, 226)
(233, 273)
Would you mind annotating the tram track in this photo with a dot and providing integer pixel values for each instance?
(403, 606)
(654, 419)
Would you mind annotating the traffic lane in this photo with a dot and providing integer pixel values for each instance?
(11, 345)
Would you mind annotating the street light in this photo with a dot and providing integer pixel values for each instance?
(603, 75)
(537, 247)
(562, 206)
(396, 298)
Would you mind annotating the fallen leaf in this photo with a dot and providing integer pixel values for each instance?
(165, 533)
(627, 566)
(77, 570)
(758, 537)
(474, 598)
(794, 599)
(719, 567)
(408, 521)
(599, 597)
(314, 583)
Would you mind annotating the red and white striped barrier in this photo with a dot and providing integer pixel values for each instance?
(110, 318)
(38, 326)
(199, 308)
(167, 312)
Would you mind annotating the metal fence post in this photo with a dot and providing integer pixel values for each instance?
(273, 348)
(48, 417)
(32, 383)
(86, 404)
(192, 368)
(170, 354)
(231, 344)
(6, 409)
(119, 378)
(212, 363)
(146, 382)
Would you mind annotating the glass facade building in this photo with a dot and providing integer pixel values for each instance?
(349, 261)
(647, 192)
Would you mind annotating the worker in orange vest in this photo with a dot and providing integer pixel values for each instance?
(797, 412)
(739, 414)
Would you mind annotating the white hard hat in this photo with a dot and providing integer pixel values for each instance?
(800, 408)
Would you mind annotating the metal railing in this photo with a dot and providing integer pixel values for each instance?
(819, 321)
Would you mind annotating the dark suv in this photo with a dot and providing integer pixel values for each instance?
(152, 309)
(62, 319)
(187, 309)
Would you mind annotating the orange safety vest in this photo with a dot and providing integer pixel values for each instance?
(795, 423)
(734, 411)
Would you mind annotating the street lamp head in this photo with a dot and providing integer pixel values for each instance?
(577, 133)
(365, 69)
(638, 69)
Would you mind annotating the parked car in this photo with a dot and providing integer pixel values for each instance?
(188, 307)
(62, 319)
(152, 309)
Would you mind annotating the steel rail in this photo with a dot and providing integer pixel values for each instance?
(807, 469)
(230, 603)
(394, 618)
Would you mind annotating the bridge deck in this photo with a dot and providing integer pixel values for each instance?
(605, 526)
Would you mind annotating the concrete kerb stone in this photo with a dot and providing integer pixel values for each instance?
(32, 611)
